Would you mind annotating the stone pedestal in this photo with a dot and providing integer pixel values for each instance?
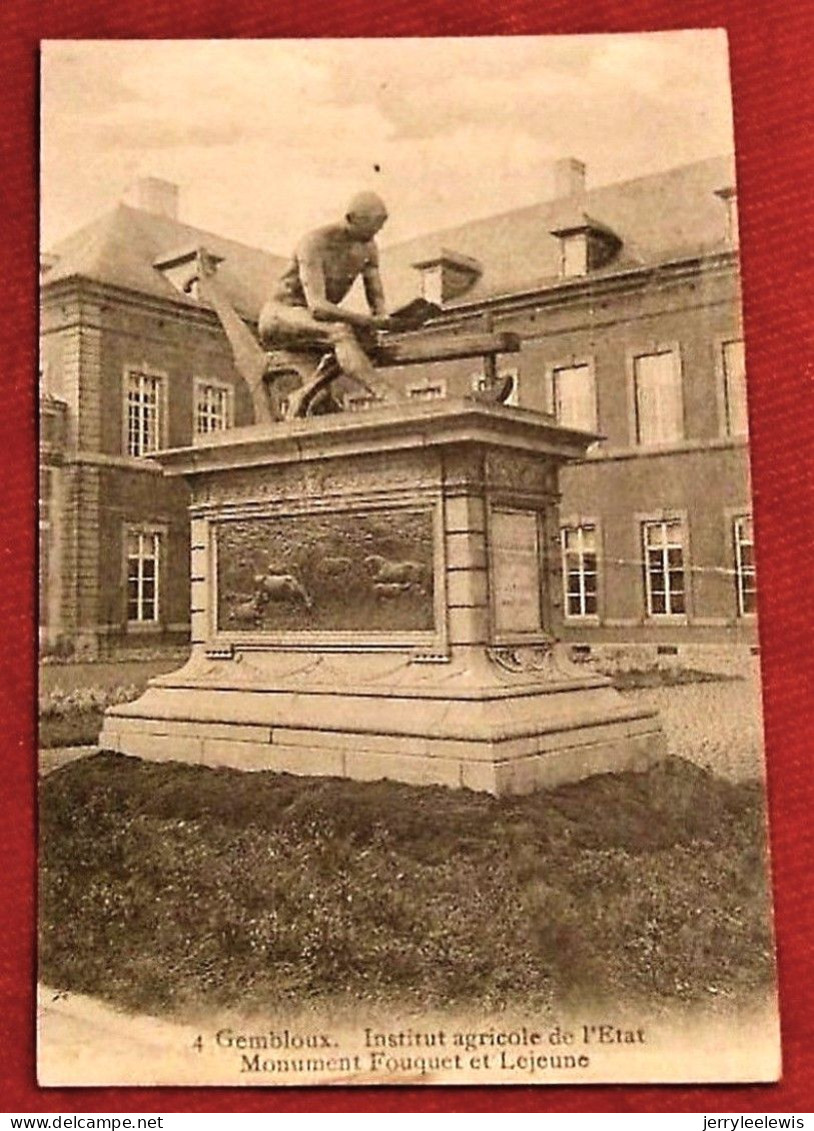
(377, 595)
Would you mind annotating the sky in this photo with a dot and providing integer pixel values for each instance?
(269, 138)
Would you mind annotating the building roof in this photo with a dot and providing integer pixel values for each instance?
(121, 247)
(660, 217)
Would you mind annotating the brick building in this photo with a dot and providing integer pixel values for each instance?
(129, 364)
(626, 298)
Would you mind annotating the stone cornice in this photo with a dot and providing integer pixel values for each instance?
(91, 290)
(680, 447)
(587, 287)
(255, 434)
(386, 428)
(102, 459)
(565, 292)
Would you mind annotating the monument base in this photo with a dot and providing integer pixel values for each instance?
(377, 595)
(482, 727)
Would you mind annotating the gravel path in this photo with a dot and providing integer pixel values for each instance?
(717, 725)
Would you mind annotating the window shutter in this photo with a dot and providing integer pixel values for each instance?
(575, 397)
(659, 414)
(737, 421)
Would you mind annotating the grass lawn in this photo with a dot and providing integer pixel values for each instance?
(106, 673)
(76, 728)
(168, 888)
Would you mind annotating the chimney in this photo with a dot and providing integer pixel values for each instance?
(569, 178)
(152, 194)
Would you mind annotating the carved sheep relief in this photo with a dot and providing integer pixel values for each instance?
(348, 571)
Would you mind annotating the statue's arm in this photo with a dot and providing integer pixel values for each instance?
(374, 289)
(312, 277)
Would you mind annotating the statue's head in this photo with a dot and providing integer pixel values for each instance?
(365, 215)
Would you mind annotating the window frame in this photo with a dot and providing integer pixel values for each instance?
(651, 349)
(417, 389)
(360, 402)
(157, 531)
(673, 517)
(734, 519)
(578, 522)
(161, 409)
(199, 384)
(44, 552)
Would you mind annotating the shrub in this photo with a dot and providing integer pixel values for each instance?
(634, 678)
(59, 703)
(61, 649)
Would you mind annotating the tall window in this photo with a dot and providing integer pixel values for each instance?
(143, 561)
(143, 413)
(657, 390)
(574, 395)
(213, 408)
(745, 565)
(664, 568)
(579, 570)
(734, 367)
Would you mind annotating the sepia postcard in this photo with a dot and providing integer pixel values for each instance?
(399, 689)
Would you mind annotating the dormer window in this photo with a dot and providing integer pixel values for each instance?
(181, 268)
(447, 275)
(574, 252)
(729, 196)
(585, 245)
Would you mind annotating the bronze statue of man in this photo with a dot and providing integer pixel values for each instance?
(304, 313)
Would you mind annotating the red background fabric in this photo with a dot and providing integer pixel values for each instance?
(770, 45)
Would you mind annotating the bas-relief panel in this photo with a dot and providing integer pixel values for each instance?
(348, 571)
